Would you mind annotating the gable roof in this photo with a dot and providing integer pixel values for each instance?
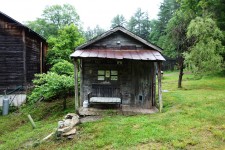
(122, 29)
(151, 54)
(18, 24)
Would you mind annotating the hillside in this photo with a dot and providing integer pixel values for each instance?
(193, 118)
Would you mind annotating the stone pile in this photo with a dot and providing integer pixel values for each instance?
(66, 127)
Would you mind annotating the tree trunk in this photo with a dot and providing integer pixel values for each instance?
(181, 67)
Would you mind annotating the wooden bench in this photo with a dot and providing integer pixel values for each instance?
(105, 94)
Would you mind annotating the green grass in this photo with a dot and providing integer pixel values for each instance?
(193, 118)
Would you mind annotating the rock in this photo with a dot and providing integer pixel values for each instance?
(71, 132)
(65, 129)
(87, 112)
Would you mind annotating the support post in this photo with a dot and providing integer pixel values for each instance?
(76, 83)
(153, 84)
(160, 86)
(81, 83)
(41, 57)
(24, 58)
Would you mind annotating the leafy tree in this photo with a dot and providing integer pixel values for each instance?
(158, 27)
(54, 18)
(205, 55)
(63, 68)
(118, 20)
(51, 86)
(61, 15)
(62, 46)
(140, 24)
(91, 33)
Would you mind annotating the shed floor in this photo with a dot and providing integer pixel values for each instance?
(123, 110)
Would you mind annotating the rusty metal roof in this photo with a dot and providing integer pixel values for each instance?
(119, 54)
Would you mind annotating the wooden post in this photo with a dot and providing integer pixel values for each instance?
(153, 83)
(41, 57)
(160, 87)
(81, 83)
(76, 83)
(24, 58)
(31, 121)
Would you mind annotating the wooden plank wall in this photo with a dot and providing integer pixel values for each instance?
(14, 60)
(134, 79)
(11, 57)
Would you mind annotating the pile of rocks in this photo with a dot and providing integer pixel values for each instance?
(66, 127)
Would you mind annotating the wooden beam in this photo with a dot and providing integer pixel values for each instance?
(160, 86)
(24, 57)
(76, 84)
(41, 57)
(153, 83)
(81, 83)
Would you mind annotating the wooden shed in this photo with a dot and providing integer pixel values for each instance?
(22, 53)
(118, 67)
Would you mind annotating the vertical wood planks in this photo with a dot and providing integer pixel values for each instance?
(76, 84)
(160, 86)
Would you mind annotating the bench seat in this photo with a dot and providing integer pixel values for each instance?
(105, 100)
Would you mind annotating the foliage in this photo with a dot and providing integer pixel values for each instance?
(62, 46)
(54, 18)
(51, 86)
(193, 118)
(63, 68)
(158, 27)
(205, 55)
(61, 15)
(139, 24)
(91, 33)
(118, 20)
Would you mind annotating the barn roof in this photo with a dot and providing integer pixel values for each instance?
(151, 53)
(18, 24)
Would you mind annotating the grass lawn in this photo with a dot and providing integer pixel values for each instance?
(193, 118)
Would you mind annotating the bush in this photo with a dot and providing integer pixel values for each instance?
(63, 68)
(51, 85)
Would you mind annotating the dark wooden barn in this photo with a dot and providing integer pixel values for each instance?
(118, 67)
(22, 53)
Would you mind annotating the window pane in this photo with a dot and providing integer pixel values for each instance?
(101, 77)
(114, 72)
(101, 72)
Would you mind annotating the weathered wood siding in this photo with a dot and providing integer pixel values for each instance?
(111, 42)
(134, 79)
(21, 54)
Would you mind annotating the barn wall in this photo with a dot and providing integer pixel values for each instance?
(11, 57)
(20, 54)
(134, 79)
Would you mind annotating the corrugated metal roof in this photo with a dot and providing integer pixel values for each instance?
(119, 54)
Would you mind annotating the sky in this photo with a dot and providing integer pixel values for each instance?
(91, 12)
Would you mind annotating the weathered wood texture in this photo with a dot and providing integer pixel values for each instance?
(134, 79)
(111, 42)
(20, 53)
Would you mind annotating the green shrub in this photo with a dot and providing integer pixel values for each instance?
(51, 85)
(63, 68)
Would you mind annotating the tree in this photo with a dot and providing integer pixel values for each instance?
(158, 27)
(140, 24)
(205, 55)
(91, 33)
(62, 46)
(54, 18)
(61, 15)
(118, 20)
